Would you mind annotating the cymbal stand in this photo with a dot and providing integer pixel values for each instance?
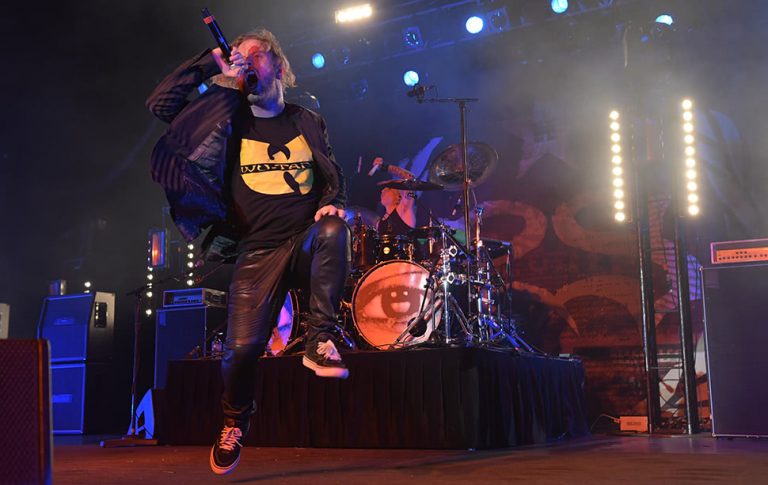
(437, 293)
(490, 328)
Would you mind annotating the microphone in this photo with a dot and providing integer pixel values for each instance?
(418, 91)
(221, 41)
(217, 34)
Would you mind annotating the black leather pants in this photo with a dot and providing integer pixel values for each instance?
(317, 259)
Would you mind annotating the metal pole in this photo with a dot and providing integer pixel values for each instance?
(686, 329)
(465, 161)
(645, 273)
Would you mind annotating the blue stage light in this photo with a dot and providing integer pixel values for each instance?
(665, 19)
(411, 78)
(559, 6)
(318, 60)
(474, 24)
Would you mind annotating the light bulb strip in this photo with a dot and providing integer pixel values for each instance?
(617, 169)
(691, 174)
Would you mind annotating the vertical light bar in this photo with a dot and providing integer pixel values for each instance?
(191, 264)
(689, 151)
(617, 168)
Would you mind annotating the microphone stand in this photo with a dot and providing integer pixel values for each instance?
(133, 438)
(461, 103)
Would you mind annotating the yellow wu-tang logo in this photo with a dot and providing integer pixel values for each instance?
(277, 169)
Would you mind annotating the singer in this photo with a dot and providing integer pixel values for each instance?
(222, 166)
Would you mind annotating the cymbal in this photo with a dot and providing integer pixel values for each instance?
(410, 184)
(366, 215)
(447, 168)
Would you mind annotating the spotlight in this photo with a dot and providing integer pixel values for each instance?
(412, 37)
(616, 159)
(190, 264)
(693, 210)
(618, 193)
(615, 126)
(687, 104)
(664, 18)
(616, 149)
(614, 115)
(149, 294)
(620, 217)
(692, 186)
(411, 78)
(318, 60)
(190, 255)
(688, 139)
(617, 182)
(190, 282)
(87, 284)
(615, 138)
(690, 151)
(617, 171)
(148, 311)
(474, 24)
(618, 205)
(353, 14)
(693, 198)
(150, 277)
(559, 6)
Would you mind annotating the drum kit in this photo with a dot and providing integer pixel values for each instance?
(425, 288)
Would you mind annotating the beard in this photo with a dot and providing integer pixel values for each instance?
(263, 93)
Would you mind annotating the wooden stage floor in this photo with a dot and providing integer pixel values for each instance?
(600, 459)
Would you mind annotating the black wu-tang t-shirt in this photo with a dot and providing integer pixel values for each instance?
(273, 181)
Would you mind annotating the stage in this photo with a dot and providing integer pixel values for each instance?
(449, 398)
(599, 459)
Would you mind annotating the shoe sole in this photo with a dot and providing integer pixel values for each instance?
(320, 371)
(221, 470)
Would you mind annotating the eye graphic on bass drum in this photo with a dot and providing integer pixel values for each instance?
(277, 169)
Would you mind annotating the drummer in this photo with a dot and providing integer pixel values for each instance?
(399, 205)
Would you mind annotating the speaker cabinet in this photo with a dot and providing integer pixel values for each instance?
(5, 318)
(181, 333)
(81, 398)
(736, 332)
(79, 327)
(25, 419)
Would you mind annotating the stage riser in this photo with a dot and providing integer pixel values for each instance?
(435, 398)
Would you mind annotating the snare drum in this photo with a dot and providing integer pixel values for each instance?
(386, 299)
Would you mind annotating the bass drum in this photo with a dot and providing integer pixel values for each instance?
(287, 327)
(385, 300)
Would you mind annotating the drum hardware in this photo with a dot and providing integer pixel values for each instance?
(411, 185)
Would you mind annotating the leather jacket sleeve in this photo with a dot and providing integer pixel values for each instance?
(169, 98)
(340, 200)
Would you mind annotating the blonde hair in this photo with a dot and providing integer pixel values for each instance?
(288, 78)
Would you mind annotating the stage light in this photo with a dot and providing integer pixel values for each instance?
(474, 24)
(157, 248)
(411, 78)
(150, 277)
(617, 170)
(691, 174)
(559, 6)
(353, 14)
(149, 294)
(318, 60)
(87, 284)
(190, 282)
(148, 311)
(190, 255)
(190, 264)
(412, 37)
(202, 88)
(665, 19)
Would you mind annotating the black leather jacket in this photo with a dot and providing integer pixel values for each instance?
(190, 160)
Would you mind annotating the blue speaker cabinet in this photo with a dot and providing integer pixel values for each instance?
(79, 327)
